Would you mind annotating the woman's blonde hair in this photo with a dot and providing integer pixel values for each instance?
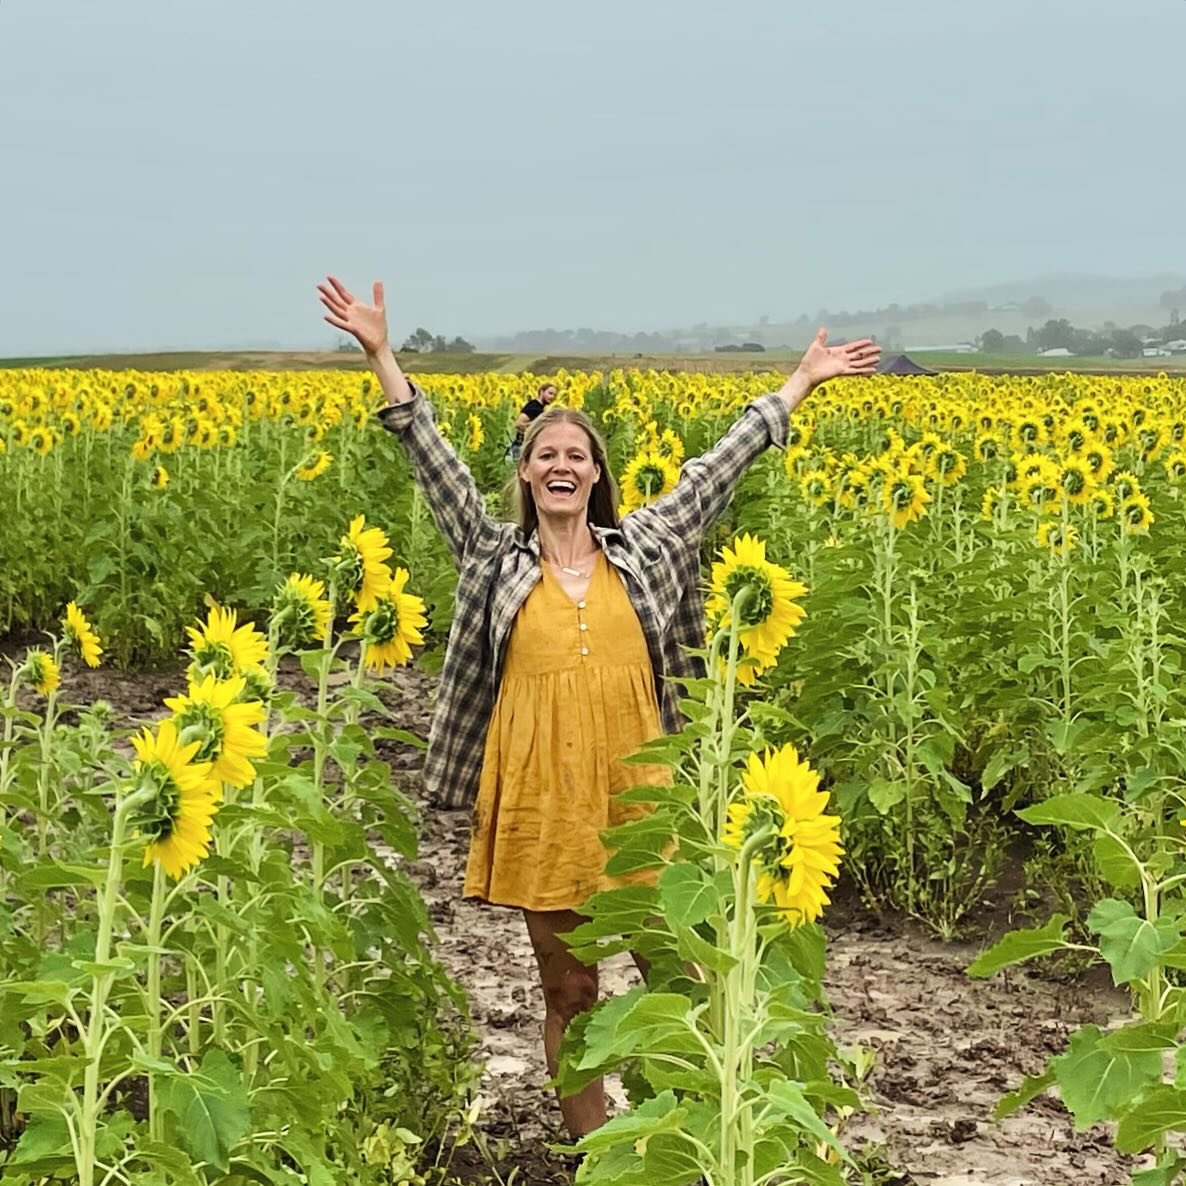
(602, 510)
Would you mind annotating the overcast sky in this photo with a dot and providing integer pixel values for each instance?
(178, 174)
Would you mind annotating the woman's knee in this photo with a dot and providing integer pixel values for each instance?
(569, 992)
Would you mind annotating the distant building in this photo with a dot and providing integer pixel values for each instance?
(1055, 352)
(1177, 346)
(957, 348)
(1156, 352)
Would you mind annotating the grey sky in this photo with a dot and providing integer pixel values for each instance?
(179, 174)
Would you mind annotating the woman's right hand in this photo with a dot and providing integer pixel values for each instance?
(367, 323)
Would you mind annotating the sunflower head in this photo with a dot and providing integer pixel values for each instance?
(160, 477)
(214, 716)
(1056, 538)
(1135, 515)
(181, 799)
(649, 476)
(40, 672)
(222, 648)
(77, 634)
(392, 627)
(360, 568)
(905, 497)
(796, 847)
(301, 612)
(314, 466)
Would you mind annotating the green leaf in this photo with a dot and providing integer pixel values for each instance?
(1158, 1111)
(687, 895)
(658, 1115)
(788, 1100)
(1141, 1038)
(44, 1146)
(1117, 865)
(1096, 1084)
(886, 795)
(211, 1109)
(1166, 1173)
(652, 1022)
(1017, 946)
(1031, 1086)
(1001, 763)
(1075, 811)
(1131, 944)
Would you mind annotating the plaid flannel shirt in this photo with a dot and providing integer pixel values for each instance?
(656, 551)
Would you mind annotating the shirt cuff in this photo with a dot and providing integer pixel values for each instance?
(399, 417)
(773, 410)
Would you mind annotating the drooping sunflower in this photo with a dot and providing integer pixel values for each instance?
(77, 633)
(475, 434)
(1103, 506)
(301, 612)
(1135, 514)
(160, 477)
(1056, 538)
(1126, 484)
(1040, 493)
(361, 566)
(800, 856)
(947, 465)
(222, 648)
(905, 497)
(314, 465)
(1099, 460)
(213, 714)
(41, 672)
(393, 626)
(648, 477)
(816, 487)
(176, 821)
(771, 614)
(1076, 480)
(991, 501)
(1175, 465)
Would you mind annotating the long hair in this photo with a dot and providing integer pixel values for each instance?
(602, 510)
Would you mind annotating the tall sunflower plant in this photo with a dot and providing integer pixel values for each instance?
(725, 1050)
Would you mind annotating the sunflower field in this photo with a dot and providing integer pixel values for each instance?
(983, 581)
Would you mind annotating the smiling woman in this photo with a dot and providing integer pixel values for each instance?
(571, 632)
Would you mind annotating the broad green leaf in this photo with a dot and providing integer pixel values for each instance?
(1158, 1111)
(1131, 944)
(1167, 1172)
(1116, 862)
(1075, 811)
(1096, 1084)
(652, 1022)
(687, 896)
(211, 1109)
(1031, 1087)
(657, 1115)
(788, 1100)
(1001, 763)
(44, 1146)
(691, 946)
(1017, 946)
(886, 795)
(1142, 1038)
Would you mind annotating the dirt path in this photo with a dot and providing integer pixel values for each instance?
(947, 1047)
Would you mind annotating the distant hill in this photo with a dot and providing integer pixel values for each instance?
(1076, 290)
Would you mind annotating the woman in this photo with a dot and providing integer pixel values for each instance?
(570, 632)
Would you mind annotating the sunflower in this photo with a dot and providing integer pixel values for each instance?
(771, 614)
(1126, 484)
(1057, 538)
(905, 497)
(213, 714)
(475, 434)
(947, 465)
(41, 672)
(314, 466)
(78, 633)
(800, 855)
(392, 626)
(816, 487)
(160, 477)
(1175, 465)
(1040, 493)
(185, 799)
(361, 565)
(301, 612)
(1099, 460)
(1103, 506)
(142, 449)
(222, 648)
(1076, 480)
(648, 477)
(991, 501)
(988, 447)
(1136, 515)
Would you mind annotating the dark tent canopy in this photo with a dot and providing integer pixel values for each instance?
(899, 364)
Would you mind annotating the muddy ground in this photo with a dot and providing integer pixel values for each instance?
(947, 1047)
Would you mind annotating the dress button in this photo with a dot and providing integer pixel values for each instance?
(580, 605)
(584, 625)
(584, 650)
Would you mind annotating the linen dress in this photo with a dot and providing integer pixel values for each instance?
(577, 695)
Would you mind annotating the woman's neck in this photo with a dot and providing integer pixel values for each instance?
(566, 541)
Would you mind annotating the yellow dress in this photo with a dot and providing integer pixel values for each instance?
(577, 695)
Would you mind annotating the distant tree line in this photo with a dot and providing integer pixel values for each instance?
(1032, 308)
(1060, 334)
(423, 342)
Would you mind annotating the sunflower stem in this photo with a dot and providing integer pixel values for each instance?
(156, 916)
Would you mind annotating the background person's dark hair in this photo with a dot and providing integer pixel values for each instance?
(603, 498)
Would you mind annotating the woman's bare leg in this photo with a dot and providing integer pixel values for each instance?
(570, 989)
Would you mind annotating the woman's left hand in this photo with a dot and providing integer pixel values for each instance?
(821, 362)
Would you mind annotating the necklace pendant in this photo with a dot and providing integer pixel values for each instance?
(572, 572)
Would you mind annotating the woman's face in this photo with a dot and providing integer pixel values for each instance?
(561, 471)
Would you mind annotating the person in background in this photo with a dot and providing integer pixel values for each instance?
(531, 410)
